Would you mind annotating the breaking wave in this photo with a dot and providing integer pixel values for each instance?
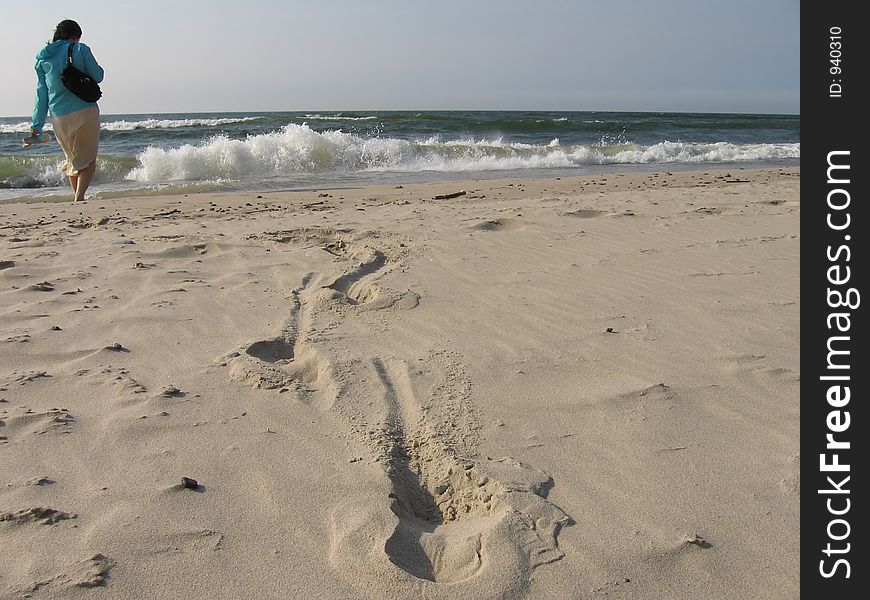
(297, 149)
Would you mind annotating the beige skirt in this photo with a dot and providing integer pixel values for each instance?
(78, 134)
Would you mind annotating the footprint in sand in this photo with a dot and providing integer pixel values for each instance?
(756, 365)
(24, 421)
(17, 336)
(281, 361)
(288, 358)
(88, 573)
(500, 224)
(43, 516)
(446, 518)
(354, 285)
(790, 484)
(584, 213)
(21, 378)
(188, 542)
(361, 264)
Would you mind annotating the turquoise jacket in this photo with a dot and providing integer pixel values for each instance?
(51, 95)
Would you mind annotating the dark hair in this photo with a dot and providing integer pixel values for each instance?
(67, 30)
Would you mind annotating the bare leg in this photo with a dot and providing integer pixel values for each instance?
(74, 182)
(84, 180)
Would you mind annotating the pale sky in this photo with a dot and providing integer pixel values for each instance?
(326, 55)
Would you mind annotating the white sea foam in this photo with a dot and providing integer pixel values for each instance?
(297, 149)
(22, 127)
(123, 125)
(172, 123)
(666, 152)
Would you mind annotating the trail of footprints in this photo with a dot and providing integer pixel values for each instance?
(446, 516)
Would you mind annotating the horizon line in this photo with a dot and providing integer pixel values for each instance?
(434, 110)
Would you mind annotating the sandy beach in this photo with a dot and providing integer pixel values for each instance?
(561, 388)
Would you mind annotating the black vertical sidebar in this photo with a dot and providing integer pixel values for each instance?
(835, 222)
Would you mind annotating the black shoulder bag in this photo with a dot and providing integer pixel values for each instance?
(78, 82)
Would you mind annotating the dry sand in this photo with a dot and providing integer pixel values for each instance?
(559, 388)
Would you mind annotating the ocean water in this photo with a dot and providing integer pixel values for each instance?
(190, 152)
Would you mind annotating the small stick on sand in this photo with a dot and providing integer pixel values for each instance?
(449, 196)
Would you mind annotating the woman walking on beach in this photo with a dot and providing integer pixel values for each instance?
(76, 122)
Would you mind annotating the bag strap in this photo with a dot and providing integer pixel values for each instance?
(69, 53)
